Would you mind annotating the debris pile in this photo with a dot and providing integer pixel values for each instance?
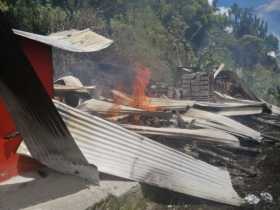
(197, 139)
(220, 130)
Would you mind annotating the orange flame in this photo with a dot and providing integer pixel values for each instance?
(138, 98)
(142, 79)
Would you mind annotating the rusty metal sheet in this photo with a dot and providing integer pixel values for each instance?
(72, 40)
(120, 152)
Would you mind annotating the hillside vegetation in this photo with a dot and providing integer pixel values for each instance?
(165, 34)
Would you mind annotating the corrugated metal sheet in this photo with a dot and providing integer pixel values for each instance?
(233, 108)
(201, 135)
(202, 123)
(166, 103)
(232, 125)
(104, 107)
(225, 109)
(72, 40)
(34, 115)
(117, 151)
(275, 110)
(254, 108)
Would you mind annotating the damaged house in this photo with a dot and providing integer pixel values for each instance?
(192, 144)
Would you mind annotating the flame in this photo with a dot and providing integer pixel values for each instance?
(141, 81)
(138, 99)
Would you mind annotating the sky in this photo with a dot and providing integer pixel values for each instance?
(242, 3)
(269, 10)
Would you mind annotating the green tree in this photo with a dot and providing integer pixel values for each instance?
(3, 6)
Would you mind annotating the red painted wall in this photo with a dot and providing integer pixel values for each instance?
(40, 56)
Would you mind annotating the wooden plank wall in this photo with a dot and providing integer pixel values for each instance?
(196, 86)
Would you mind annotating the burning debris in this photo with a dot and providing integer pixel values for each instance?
(190, 142)
(126, 154)
(209, 130)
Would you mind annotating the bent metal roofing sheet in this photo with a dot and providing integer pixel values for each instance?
(123, 153)
(72, 40)
(117, 151)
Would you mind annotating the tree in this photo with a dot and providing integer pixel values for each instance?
(161, 34)
(3, 6)
(272, 43)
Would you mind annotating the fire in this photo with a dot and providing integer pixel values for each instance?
(141, 81)
(138, 99)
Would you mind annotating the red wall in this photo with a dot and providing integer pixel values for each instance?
(40, 57)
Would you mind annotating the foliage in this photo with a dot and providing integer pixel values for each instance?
(164, 34)
(135, 34)
(3, 6)
(264, 82)
(33, 16)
